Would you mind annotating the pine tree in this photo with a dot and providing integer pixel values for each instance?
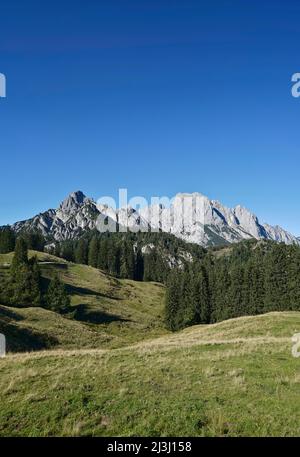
(24, 285)
(254, 285)
(93, 252)
(35, 241)
(220, 292)
(173, 301)
(20, 255)
(7, 240)
(277, 279)
(139, 265)
(103, 255)
(294, 279)
(127, 263)
(81, 252)
(113, 258)
(237, 292)
(57, 298)
(148, 267)
(67, 251)
(203, 310)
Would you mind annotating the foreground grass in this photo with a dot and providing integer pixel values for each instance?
(235, 378)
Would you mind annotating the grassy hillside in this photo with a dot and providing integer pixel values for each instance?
(109, 368)
(235, 378)
(106, 312)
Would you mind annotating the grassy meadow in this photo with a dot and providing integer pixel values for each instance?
(111, 369)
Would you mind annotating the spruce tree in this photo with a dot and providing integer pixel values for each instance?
(67, 251)
(21, 254)
(7, 240)
(294, 279)
(81, 252)
(127, 263)
(103, 255)
(57, 298)
(139, 265)
(23, 285)
(93, 252)
(173, 301)
(203, 297)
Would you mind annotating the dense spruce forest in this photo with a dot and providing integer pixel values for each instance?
(203, 285)
(249, 278)
(138, 256)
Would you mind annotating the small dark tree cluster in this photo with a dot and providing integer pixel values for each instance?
(22, 286)
(7, 240)
(57, 298)
(34, 240)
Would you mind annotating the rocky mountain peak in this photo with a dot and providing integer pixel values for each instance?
(73, 201)
(192, 217)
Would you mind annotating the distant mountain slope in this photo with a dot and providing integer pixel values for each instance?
(208, 224)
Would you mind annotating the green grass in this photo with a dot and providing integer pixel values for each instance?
(111, 369)
(106, 312)
(204, 381)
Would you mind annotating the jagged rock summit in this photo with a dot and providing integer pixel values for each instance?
(75, 215)
(209, 223)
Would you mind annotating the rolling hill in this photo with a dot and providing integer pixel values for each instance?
(235, 378)
(110, 368)
(106, 312)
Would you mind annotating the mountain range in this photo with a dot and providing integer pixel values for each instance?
(207, 223)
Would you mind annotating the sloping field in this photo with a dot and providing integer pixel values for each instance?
(106, 312)
(235, 378)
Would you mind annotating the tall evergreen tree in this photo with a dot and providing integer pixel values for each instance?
(81, 252)
(7, 240)
(276, 279)
(23, 285)
(127, 264)
(203, 297)
(139, 265)
(21, 254)
(103, 255)
(57, 298)
(173, 301)
(67, 251)
(93, 252)
(294, 279)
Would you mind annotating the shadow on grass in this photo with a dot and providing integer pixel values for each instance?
(76, 290)
(9, 314)
(24, 340)
(49, 265)
(82, 313)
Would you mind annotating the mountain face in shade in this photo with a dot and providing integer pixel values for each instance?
(207, 223)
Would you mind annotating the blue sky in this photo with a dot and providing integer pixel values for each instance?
(156, 96)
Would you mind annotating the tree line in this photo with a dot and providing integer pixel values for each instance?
(252, 278)
(248, 278)
(142, 257)
(34, 240)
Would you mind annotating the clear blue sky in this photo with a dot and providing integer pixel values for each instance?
(156, 96)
